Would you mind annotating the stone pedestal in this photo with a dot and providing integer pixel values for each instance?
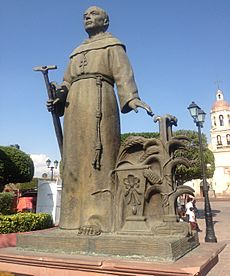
(198, 262)
(151, 247)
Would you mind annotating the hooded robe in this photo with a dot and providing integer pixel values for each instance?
(88, 192)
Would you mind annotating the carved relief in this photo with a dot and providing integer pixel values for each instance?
(144, 168)
(132, 193)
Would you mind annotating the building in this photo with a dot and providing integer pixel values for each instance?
(220, 144)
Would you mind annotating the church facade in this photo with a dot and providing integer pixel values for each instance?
(220, 144)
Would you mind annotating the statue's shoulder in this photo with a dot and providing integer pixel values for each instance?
(103, 41)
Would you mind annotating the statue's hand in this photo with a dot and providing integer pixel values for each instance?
(57, 90)
(135, 103)
(56, 87)
(50, 104)
(58, 101)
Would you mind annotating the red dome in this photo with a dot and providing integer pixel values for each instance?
(220, 104)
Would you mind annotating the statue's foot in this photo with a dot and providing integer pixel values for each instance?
(91, 230)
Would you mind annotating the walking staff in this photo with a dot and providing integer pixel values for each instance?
(51, 94)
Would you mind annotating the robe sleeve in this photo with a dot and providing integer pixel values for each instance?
(67, 79)
(62, 95)
(123, 76)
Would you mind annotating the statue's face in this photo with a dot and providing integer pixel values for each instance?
(94, 20)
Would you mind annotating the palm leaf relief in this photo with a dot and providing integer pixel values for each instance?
(150, 151)
(130, 142)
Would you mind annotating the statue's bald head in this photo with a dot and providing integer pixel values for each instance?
(96, 18)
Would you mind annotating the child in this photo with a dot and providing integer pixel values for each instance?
(188, 205)
(192, 220)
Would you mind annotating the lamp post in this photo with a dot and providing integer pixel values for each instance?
(198, 116)
(48, 163)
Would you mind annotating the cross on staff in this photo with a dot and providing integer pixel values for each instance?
(218, 83)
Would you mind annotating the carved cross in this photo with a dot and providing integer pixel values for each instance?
(83, 64)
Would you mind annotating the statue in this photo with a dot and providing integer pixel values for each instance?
(91, 124)
(116, 200)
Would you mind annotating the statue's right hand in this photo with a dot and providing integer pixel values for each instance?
(50, 104)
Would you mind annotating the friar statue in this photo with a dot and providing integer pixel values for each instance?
(92, 125)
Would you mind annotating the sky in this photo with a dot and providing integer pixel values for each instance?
(178, 49)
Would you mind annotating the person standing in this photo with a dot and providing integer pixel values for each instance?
(192, 220)
(188, 205)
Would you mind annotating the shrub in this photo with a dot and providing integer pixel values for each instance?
(15, 166)
(24, 222)
(6, 203)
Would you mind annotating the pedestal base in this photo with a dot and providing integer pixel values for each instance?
(198, 262)
(157, 248)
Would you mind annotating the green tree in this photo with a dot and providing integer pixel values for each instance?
(33, 184)
(143, 134)
(192, 152)
(15, 166)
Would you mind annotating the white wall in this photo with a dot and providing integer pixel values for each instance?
(49, 198)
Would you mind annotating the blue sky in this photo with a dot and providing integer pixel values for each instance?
(178, 49)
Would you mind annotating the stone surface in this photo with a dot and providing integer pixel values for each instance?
(198, 262)
(221, 213)
(132, 246)
(8, 240)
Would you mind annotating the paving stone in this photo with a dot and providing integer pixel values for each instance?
(221, 219)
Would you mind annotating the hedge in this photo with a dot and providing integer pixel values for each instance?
(24, 222)
(6, 203)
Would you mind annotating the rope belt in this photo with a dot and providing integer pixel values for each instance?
(99, 79)
(94, 76)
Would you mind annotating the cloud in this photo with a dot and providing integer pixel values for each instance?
(40, 164)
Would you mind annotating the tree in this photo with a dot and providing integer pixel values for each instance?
(15, 166)
(31, 185)
(143, 134)
(192, 152)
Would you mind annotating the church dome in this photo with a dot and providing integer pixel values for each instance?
(220, 103)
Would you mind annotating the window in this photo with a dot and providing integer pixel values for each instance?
(219, 142)
(214, 121)
(228, 120)
(221, 118)
(228, 139)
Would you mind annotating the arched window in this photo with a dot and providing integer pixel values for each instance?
(214, 121)
(218, 138)
(221, 118)
(228, 139)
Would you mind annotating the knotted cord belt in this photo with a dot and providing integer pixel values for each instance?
(99, 79)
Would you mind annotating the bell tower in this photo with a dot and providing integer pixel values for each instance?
(220, 143)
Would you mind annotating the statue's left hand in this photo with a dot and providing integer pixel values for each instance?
(135, 103)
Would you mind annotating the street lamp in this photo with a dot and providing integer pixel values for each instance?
(48, 163)
(198, 116)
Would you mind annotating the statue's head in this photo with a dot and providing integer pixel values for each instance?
(96, 20)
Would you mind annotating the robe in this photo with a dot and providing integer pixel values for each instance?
(88, 193)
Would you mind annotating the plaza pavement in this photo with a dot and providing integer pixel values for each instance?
(221, 219)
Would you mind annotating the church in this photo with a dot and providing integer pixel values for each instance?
(219, 185)
(220, 144)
